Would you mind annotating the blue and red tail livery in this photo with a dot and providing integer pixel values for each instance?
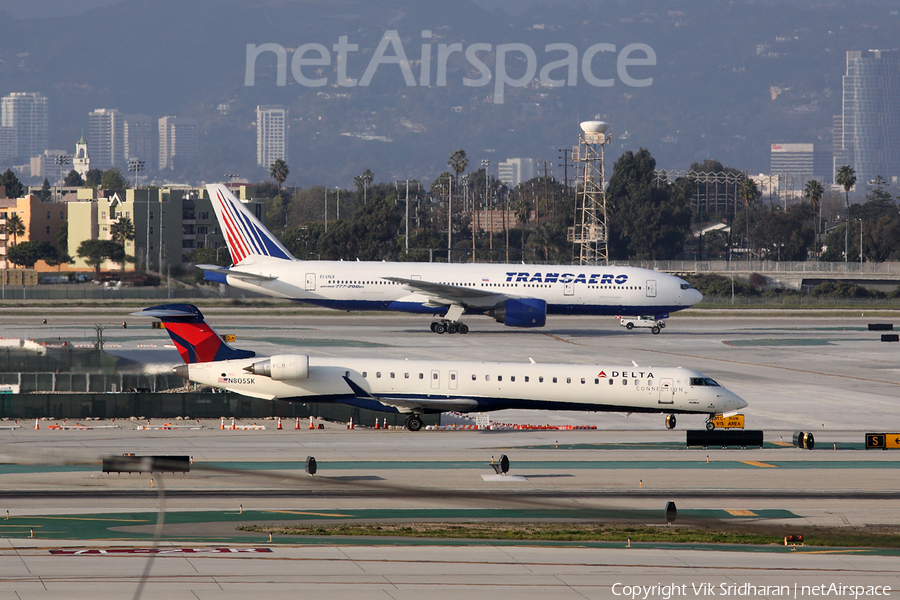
(195, 339)
(244, 234)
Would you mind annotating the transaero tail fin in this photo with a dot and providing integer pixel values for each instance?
(195, 339)
(243, 232)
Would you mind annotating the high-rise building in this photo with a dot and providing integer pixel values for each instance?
(178, 139)
(514, 171)
(106, 138)
(271, 135)
(138, 136)
(800, 160)
(27, 114)
(868, 133)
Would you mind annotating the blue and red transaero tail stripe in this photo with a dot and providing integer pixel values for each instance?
(194, 338)
(244, 234)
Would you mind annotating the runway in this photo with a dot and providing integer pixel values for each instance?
(826, 375)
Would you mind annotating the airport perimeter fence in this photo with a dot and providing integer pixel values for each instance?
(795, 301)
(90, 382)
(193, 405)
(95, 292)
(767, 266)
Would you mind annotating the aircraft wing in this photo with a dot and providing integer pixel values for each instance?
(411, 405)
(451, 294)
(235, 273)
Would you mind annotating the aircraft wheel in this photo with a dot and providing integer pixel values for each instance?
(452, 328)
(463, 328)
(413, 423)
(432, 327)
(710, 425)
(629, 326)
(662, 325)
(439, 328)
(654, 330)
(670, 421)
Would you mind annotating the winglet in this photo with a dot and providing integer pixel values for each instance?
(195, 339)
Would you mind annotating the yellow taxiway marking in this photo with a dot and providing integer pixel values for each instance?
(92, 519)
(782, 443)
(314, 514)
(742, 513)
(756, 463)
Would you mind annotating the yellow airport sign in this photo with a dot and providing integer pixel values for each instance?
(158, 325)
(734, 421)
(230, 337)
(883, 440)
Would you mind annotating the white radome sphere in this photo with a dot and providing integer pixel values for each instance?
(594, 126)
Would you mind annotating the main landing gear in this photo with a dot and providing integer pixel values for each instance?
(445, 326)
(670, 421)
(414, 422)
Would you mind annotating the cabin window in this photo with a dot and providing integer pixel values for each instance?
(596, 381)
(406, 376)
(650, 382)
(554, 380)
(541, 379)
(610, 382)
(526, 379)
(421, 376)
(582, 380)
(473, 376)
(487, 377)
(365, 375)
(392, 375)
(434, 375)
(512, 378)
(499, 377)
(346, 373)
(568, 380)
(378, 375)
(624, 382)
(452, 376)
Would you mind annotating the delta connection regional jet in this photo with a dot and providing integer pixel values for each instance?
(417, 387)
(516, 295)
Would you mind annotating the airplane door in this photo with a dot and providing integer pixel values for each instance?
(310, 282)
(569, 289)
(454, 380)
(435, 380)
(651, 288)
(666, 392)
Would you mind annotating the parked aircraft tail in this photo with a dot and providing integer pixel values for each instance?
(243, 232)
(195, 339)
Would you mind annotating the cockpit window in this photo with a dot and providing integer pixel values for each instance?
(704, 381)
(685, 286)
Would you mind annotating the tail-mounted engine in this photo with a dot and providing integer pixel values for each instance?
(282, 367)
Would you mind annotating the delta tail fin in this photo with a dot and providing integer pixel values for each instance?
(243, 232)
(195, 339)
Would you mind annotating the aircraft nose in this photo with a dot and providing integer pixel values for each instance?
(182, 371)
(694, 297)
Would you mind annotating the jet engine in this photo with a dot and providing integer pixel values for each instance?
(282, 367)
(524, 312)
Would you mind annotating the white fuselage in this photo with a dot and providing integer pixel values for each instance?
(423, 386)
(567, 289)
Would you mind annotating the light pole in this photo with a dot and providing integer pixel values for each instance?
(338, 202)
(860, 245)
(62, 160)
(407, 216)
(326, 210)
(135, 165)
(450, 222)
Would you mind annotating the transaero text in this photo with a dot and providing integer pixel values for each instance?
(706, 590)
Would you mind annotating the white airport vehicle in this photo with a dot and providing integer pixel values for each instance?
(516, 295)
(417, 387)
(651, 323)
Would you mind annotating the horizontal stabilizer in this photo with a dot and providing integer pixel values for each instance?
(235, 273)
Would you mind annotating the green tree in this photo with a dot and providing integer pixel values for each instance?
(879, 202)
(846, 178)
(522, 209)
(814, 193)
(364, 181)
(279, 171)
(62, 242)
(94, 252)
(14, 189)
(276, 213)
(371, 234)
(458, 163)
(46, 193)
(92, 178)
(112, 179)
(73, 179)
(211, 256)
(748, 193)
(122, 231)
(647, 220)
(27, 254)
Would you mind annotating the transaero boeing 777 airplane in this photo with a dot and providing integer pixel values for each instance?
(417, 387)
(516, 295)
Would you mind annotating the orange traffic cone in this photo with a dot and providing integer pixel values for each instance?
(36, 425)
(232, 423)
(376, 423)
(384, 423)
(297, 425)
(350, 425)
(279, 423)
(311, 424)
(222, 425)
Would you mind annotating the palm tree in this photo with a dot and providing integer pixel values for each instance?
(122, 230)
(748, 193)
(364, 181)
(846, 178)
(814, 192)
(279, 172)
(15, 226)
(458, 164)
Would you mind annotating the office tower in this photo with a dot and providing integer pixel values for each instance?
(178, 140)
(105, 138)
(271, 135)
(514, 171)
(138, 136)
(869, 128)
(27, 115)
